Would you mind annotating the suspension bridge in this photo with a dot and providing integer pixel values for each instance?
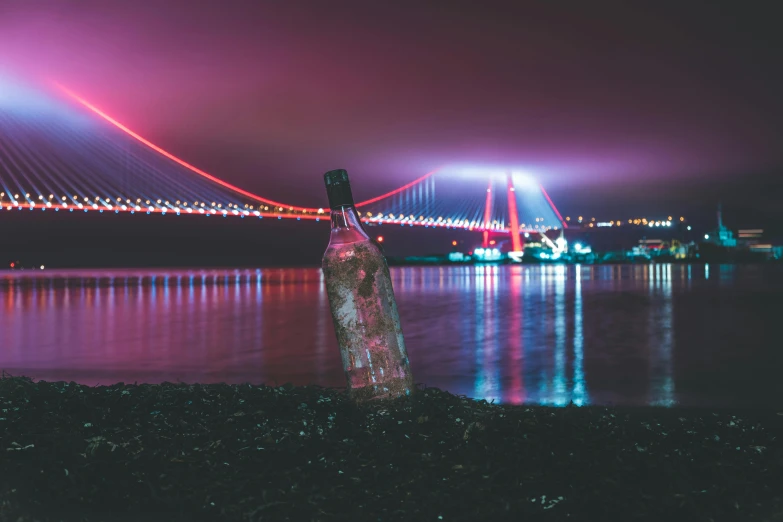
(61, 153)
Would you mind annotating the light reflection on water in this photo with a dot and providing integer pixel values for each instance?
(636, 334)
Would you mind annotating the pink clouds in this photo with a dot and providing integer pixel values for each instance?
(256, 92)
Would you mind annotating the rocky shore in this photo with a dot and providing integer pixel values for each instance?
(223, 452)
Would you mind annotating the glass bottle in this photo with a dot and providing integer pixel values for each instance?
(361, 298)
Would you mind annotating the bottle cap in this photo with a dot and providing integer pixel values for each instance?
(338, 188)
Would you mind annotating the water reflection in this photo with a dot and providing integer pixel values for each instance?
(515, 334)
(661, 338)
(487, 332)
(580, 390)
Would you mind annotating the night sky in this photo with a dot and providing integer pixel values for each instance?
(619, 110)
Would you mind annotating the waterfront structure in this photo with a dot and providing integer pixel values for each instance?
(721, 236)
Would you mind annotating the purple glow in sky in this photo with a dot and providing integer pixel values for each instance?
(268, 95)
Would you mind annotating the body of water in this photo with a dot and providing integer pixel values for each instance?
(635, 334)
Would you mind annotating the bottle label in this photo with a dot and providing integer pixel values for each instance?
(366, 321)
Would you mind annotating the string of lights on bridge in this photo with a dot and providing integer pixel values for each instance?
(639, 222)
(117, 205)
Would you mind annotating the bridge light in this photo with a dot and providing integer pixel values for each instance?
(16, 196)
(40, 198)
(669, 218)
(682, 218)
(453, 243)
(568, 218)
(148, 202)
(27, 195)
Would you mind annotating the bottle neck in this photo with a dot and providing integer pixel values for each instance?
(345, 216)
(346, 225)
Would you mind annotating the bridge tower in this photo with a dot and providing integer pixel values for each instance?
(487, 215)
(513, 214)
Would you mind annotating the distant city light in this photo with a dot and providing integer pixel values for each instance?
(453, 243)
(380, 239)
(689, 227)
(706, 236)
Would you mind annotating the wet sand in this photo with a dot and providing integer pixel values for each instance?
(241, 452)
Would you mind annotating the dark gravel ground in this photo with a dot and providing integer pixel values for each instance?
(220, 452)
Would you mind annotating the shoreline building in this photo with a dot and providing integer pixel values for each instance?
(721, 236)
